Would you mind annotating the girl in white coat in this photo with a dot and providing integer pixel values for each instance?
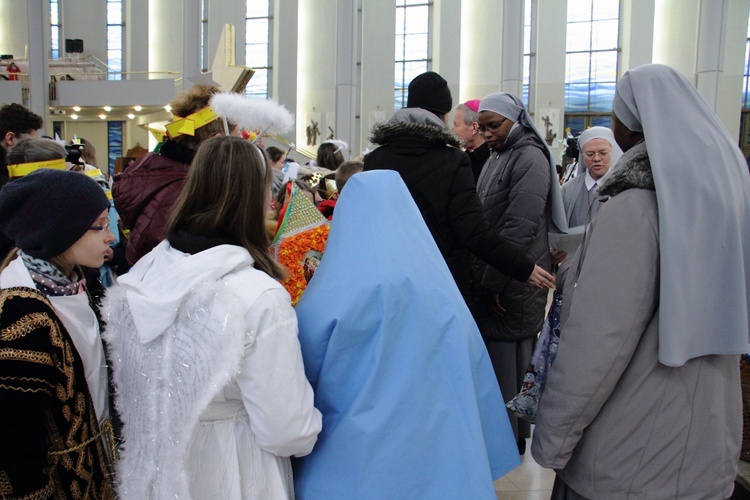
(207, 365)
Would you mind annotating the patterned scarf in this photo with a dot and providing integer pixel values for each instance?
(49, 280)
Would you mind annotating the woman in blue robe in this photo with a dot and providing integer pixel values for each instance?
(411, 407)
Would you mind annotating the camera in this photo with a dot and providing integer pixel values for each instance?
(75, 152)
(571, 151)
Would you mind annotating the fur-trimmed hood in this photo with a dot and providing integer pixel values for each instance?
(634, 173)
(414, 122)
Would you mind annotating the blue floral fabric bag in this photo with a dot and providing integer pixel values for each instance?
(526, 401)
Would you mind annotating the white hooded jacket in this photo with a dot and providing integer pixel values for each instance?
(209, 377)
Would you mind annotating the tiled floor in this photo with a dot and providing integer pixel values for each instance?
(529, 481)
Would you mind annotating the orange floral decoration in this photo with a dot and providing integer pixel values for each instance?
(291, 252)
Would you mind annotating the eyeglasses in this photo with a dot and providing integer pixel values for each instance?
(492, 126)
(103, 227)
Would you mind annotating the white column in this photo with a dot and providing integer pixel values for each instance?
(316, 69)
(191, 41)
(548, 89)
(446, 46)
(481, 48)
(165, 39)
(13, 28)
(636, 33)
(39, 43)
(511, 65)
(284, 55)
(136, 39)
(346, 110)
(378, 67)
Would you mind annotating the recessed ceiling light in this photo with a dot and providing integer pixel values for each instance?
(103, 116)
(107, 108)
(168, 108)
(137, 108)
(76, 108)
(74, 116)
(131, 116)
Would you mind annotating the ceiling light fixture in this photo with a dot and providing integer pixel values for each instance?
(103, 116)
(74, 116)
(168, 108)
(76, 108)
(131, 116)
(137, 108)
(107, 108)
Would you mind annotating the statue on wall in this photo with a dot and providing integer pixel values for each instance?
(331, 135)
(549, 136)
(312, 133)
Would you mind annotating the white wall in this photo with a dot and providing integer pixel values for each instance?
(13, 28)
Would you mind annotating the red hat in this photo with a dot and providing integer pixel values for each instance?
(473, 105)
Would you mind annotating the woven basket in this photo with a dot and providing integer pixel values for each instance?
(745, 381)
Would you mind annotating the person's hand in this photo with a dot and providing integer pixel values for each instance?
(540, 278)
(557, 256)
(496, 309)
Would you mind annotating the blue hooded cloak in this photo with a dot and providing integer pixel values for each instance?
(411, 407)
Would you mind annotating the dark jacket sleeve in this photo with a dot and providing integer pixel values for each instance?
(474, 232)
(526, 208)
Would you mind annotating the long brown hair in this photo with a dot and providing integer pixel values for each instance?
(226, 195)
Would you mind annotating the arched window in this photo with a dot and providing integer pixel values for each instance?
(592, 51)
(412, 45)
(257, 47)
(114, 39)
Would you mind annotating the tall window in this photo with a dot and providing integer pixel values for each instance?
(591, 62)
(745, 123)
(258, 32)
(412, 45)
(746, 81)
(54, 21)
(114, 39)
(527, 52)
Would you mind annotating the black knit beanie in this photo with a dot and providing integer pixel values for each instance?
(47, 211)
(430, 91)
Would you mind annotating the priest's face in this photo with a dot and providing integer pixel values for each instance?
(597, 155)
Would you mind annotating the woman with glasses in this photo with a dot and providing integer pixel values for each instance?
(54, 428)
(521, 200)
(207, 365)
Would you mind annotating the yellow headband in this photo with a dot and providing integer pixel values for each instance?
(23, 169)
(189, 124)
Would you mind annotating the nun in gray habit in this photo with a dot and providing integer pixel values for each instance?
(521, 199)
(643, 399)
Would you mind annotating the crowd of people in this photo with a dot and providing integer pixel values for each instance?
(152, 344)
